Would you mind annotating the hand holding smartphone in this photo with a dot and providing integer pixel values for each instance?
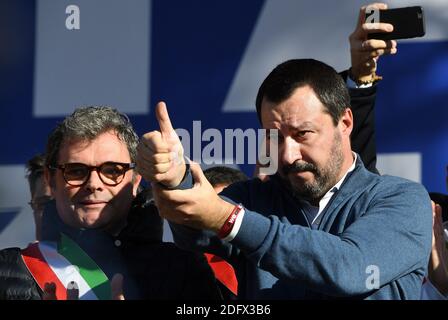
(408, 22)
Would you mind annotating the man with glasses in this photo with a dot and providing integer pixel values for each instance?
(97, 226)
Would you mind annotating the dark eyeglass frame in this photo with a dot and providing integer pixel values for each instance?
(62, 167)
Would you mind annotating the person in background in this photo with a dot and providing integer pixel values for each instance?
(39, 189)
(221, 177)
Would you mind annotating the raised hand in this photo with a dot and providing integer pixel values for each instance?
(438, 261)
(160, 153)
(364, 52)
(199, 207)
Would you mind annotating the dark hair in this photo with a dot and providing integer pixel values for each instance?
(221, 175)
(35, 170)
(86, 123)
(327, 84)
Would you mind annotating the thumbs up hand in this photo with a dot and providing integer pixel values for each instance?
(160, 153)
(199, 207)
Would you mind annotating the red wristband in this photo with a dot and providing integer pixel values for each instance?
(230, 222)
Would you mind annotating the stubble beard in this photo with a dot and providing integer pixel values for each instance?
(324, 178)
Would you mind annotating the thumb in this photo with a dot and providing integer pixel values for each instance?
(164, 121)
(117, 287)
(196, 173)
(361, 17)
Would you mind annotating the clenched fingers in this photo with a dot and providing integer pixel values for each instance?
(374, 44)
(153, 142)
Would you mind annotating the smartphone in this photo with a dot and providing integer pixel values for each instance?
(408, 22)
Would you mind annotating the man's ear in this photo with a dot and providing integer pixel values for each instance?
(136, 178)
(346, 122)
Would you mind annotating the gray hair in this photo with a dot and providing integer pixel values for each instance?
(87, 123)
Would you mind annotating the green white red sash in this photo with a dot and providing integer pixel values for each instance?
(63, 263)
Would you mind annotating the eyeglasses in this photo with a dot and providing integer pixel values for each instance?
(110, 173)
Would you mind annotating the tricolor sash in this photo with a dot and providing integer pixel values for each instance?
(67, 266)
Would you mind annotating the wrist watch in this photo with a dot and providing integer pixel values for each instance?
(375, 78)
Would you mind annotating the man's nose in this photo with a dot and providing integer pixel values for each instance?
(94, 182)
(290, 151)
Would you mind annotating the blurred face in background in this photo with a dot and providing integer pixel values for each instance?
(40, 195)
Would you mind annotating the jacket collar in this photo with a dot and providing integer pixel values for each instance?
(355, 182)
